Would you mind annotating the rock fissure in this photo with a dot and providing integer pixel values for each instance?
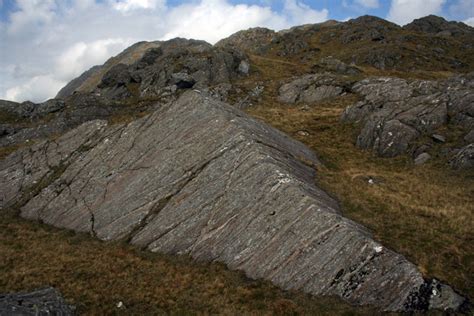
(204, 179)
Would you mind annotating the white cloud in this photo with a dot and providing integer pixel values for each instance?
(300, 13)
(36, 89)
(83, 55)
(127, 5)
(369, 4)
(469, 21)
(50, 42)
(31, 14)
(405, 11)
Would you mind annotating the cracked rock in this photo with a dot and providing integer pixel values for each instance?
(395, 113)
(201, 178)
(311, 88)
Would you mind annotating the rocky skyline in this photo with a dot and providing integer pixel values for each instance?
(46, 43)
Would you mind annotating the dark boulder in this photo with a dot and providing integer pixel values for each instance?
(47, 301)
(464, 158)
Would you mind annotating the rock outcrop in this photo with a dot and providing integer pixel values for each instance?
(333, 65)
(26, 122)
(47, 301)
(437, 25)
(464, 158)
(199, 177)
(396, 113)
(312, 88)
(254, 40)
(163, 68)
(126, 85)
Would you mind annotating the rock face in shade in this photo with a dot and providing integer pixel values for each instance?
(201, 178)
(159, 69)
(47, 301)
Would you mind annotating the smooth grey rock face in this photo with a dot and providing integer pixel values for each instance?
(311, 88)
(199, 177)
(394, 112)
(438, 138)
(422, 158)
(47, 301)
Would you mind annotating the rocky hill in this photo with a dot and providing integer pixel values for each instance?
(152, 149)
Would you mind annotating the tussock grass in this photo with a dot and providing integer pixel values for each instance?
(95, 276)
(424, 212)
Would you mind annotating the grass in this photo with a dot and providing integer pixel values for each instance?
(95, 276)
(424, 212)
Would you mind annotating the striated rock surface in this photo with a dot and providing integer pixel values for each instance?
(395, 113)
(200, 178)
(47, 301)
(311, 88)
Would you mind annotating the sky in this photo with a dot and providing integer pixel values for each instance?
(46, 43)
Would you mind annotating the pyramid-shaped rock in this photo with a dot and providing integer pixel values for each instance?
(201, 178)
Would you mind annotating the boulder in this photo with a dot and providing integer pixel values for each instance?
(200, 178)
(438, 138)
(422, 158)
(330, 64)
(464, 158)
(395, 113)
(311, 88)
(46, 301)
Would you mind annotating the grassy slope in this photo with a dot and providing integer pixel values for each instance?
(95, 276)
(424, 212)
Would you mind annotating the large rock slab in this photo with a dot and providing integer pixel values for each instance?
(198, 177)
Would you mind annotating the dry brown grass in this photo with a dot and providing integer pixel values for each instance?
(95, 276)
(424, 212)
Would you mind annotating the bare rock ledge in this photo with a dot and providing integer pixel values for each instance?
(201, 178)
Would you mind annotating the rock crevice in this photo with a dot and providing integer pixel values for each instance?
(199, 177)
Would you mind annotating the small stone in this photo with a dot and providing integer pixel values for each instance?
(244, 67)
(302, 133)
(421, 149)
(422, 158)
(120, 305)
(438, 138)
(305, 108)
(378, 249)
